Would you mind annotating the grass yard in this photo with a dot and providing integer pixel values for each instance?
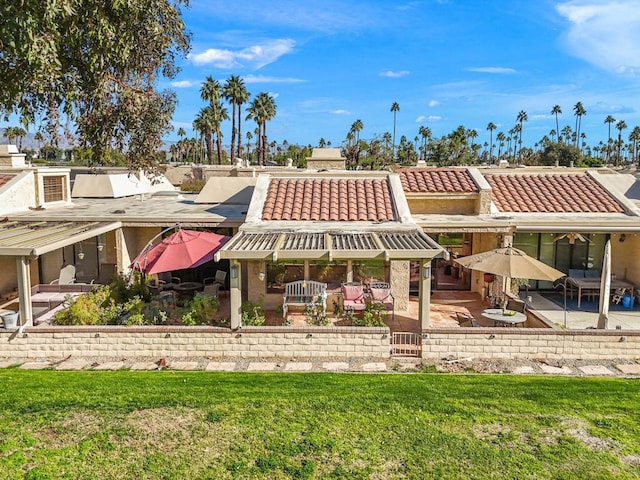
(153, 425)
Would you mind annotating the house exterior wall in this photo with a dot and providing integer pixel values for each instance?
(19, 194)
(625, 261)
(458, 206)
(399, 274)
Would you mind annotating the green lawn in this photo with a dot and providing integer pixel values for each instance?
(151, 425)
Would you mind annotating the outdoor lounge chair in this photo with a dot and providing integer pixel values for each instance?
(211, 287)
(66, 276)
(353, 296)
(380, 292)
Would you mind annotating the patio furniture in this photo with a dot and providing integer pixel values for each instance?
(516, 305)
(66, 276)
(353, 296)
(381, 292)
(618, 295)
(210, 288)
(504, 317)
(466, 320)
(302, 293)
(186, 290)
(591, 286)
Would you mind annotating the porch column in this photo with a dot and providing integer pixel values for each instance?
(235, 294)
(24, 290)
(424, 293)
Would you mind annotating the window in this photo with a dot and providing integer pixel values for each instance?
(53, 189)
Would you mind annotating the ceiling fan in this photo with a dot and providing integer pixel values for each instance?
(572, 237)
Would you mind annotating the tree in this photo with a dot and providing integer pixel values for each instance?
(211, 91)
(578, 111)
(609, 120)
(262, 109)
(555, 111)
(621, 125)
(395, 108)
(235, 92)
(522, 117)
(501, 138)
(561, 154)
(634, 138)
(491, 127)
(95, 66)
(425, 133)
(203, 123)
(472, 134)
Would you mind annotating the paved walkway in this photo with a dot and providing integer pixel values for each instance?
(613, 368)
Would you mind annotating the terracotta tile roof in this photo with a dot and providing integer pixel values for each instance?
(5, 179)
(437, 180)
(328, 200)
(550, 193)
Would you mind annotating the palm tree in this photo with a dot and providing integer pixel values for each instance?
(9, 133)
(218, 115)
(235, 92)
(500, 137)
(203, 123)
(634, 137)
(555, 111)
(395, 108)
(211, 91)
(20, 133)
(472, 134)
(249, 136)
(356, 128)
(621, 125)
(609, 120)
(566, 133)
(491, 127)
(425, 133)
(522, 117)
(578, 111)
(262, 109)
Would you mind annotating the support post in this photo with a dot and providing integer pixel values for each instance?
(424, 294)
(24, 290)
(235, 294)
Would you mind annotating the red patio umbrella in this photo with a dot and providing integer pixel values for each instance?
(182, 249)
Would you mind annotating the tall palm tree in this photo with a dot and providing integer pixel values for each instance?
(395, 108)
(522, 117)
(555, 111)
(20, 133)
(356, 128)
(609, 120)
(621, 125)
(236, 93)
(500, 137)
(218, 115)
(578, 111)
(203, 123)
(262, 109)
(491, 127)
(634, 138)
(211, 92)
(425, 133)
(472, 134)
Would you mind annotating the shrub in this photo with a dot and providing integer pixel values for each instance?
(253, 313)
(372, 316)
(201, 309)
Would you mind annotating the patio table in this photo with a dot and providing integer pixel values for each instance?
(592, 286)
(186, 290)
(498, 316)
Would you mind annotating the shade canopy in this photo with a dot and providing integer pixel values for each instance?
(605, 287)
(182, 249)
(510, 262)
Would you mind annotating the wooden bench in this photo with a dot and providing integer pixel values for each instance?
(302, 293)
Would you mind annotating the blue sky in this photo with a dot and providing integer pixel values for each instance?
(446, 63)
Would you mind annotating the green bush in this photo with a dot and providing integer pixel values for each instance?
(372, 316)
(201, 310)
(253, 313)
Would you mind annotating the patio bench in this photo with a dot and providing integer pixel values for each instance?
(302, 293)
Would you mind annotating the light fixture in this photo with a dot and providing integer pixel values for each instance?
(426, 271)
(100, 247)
(80, 253)
(261, 276)
(622, 237)
(572, 237)
(234, 271)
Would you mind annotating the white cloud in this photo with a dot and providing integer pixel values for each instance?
(268, 79)
(434, 118)
(392, 74)
(604, 33)
(499, 70)
(433, 103)
(341, 112)
(420, 119)
(255, 56)
(182, 84)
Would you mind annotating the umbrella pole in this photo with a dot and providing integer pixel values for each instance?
(148, 246)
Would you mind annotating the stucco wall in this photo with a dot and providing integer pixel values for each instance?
(530, 344)
(19, 194)
(457, 206)
(625, 261)
(400, 284)
(152, 343)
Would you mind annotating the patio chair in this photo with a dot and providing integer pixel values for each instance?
(353, 296)
(210, 287)
(618, 295)
(516, 305)
(66, 276)
(380, 292)
(466, 320)
(166, 281)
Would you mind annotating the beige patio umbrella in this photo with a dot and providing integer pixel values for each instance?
(605, 287)
(510, 262)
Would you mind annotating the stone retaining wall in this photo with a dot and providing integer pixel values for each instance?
(153, 343)
(532, 343)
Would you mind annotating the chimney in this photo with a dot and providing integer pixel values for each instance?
(10, 157)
